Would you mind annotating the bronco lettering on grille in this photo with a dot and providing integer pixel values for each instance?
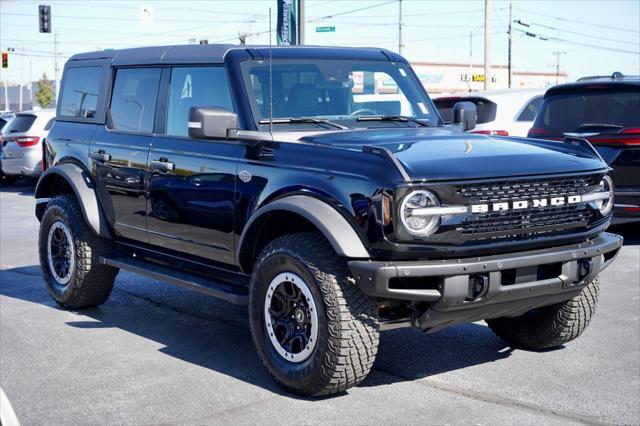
(525, 204)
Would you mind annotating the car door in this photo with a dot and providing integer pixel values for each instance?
(192, 183)
(119, 150)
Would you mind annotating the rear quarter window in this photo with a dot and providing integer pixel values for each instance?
(80, 92)
(530, 110)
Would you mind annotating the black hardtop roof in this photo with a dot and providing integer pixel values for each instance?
(215, 54)
(585, 83)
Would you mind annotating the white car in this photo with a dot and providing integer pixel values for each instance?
(22, 142)
(500, 112)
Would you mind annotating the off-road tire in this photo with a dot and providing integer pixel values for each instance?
(348, 332)
(550, 326)
(91, 282)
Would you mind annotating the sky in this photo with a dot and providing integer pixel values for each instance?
(599, 37)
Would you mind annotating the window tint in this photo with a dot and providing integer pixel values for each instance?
(80, 92)
(530, 111)
(49, 124)
(195, 86)
(21, 123)
(133, 103)
(486, 109)
(567, 112)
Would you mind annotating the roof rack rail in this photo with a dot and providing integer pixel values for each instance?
(615, 75)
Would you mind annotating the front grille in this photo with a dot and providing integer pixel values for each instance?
(522, 224)
(525, 189)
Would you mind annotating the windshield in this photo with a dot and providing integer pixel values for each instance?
(345, 93)
(570, 112)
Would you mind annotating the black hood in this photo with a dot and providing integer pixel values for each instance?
(442, 154)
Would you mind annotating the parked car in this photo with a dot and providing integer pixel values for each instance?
(5, 118)
(195, 165)
(606, 112)
(500, 112)
(22, 142)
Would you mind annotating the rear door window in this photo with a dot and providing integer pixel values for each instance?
(133, 102)
(195, 86)
(21, 123)
(80, 92)
(530, 110)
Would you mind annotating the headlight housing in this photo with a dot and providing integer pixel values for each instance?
(419, 224)
(606, 205)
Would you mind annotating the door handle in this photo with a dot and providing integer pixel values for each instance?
(162, 164)
(100, 156)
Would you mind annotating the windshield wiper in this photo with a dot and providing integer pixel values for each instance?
(402, 118)
(295, 120)
(596, 126)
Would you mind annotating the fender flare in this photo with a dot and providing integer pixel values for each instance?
(335, 228)
(84, 189)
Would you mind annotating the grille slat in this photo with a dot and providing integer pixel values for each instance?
(519, 224)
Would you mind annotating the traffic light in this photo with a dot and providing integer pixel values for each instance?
(45, 18)
(5, 59)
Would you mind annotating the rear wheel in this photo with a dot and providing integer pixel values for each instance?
(69, 257)
(315, 331)
(549, 326)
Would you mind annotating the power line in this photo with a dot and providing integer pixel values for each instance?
(577, 33)
(578, 22)
(579, 43)
(352, 11)
(119, 19)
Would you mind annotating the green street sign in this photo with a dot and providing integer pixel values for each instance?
(331, 29)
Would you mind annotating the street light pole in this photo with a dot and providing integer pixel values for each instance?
(510, 32)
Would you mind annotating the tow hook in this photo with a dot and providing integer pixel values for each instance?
(478, 286)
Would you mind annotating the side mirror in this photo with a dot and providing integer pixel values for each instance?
(465, 113)
(211, 122)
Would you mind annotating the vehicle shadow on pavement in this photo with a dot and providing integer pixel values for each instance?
(21, 187)
(215, 335)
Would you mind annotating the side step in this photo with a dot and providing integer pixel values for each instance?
(230, 293)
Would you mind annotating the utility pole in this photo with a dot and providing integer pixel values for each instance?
(301, 26)
(21, 78)
(55, 63)
(488, 8)
(400, 45)
(30, 84)
(558, 54)
(510, 36)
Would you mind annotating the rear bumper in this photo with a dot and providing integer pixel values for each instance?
(29, 165)
(471, 289)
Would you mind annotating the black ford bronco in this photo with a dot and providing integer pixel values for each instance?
(320, 187)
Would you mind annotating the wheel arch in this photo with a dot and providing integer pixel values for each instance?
(298, 213)
(69, 178)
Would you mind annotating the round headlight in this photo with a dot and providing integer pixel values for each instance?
(414, 222)
(605, 206)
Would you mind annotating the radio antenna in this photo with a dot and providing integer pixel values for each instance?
(270, 82)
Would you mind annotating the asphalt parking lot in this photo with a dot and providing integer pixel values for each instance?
(157, 354)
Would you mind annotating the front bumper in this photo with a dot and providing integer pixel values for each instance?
(488, 286)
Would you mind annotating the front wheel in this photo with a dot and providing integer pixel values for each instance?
(314, 330)
(549, 326)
